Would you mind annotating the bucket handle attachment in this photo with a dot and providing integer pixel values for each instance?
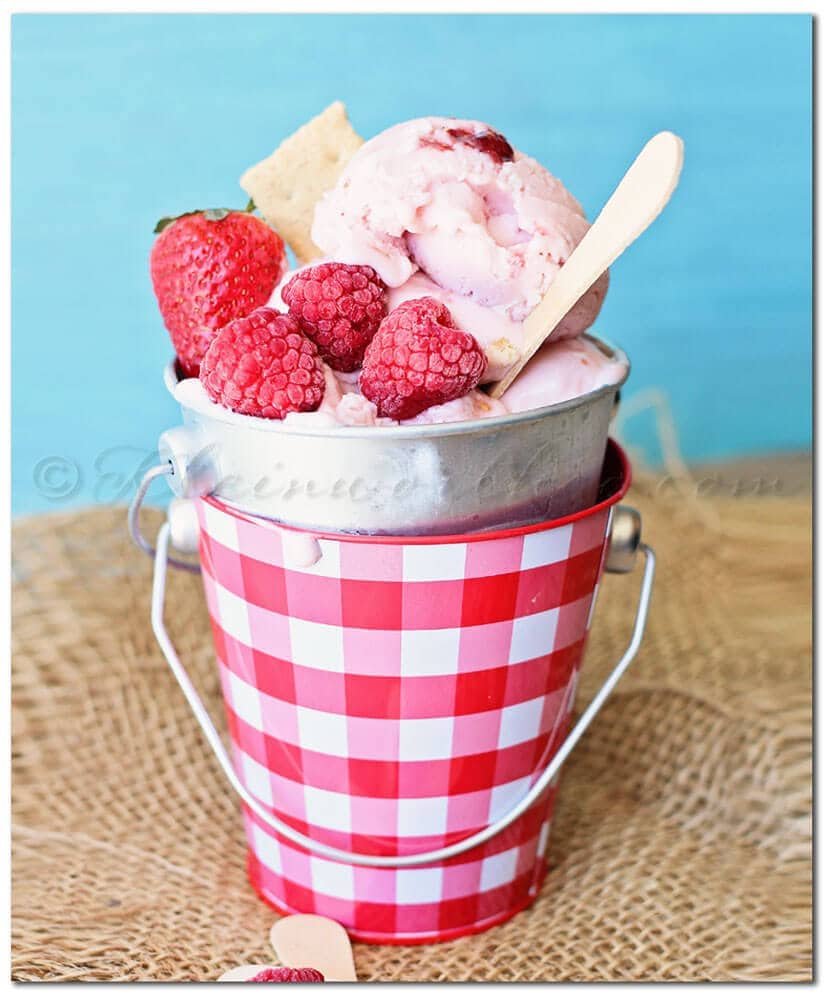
(162, 559)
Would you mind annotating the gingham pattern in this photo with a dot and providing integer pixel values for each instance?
(393, 698)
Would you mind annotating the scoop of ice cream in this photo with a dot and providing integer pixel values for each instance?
(562, 370)
(452, 199)
(472, 406)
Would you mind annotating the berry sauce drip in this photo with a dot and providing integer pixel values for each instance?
(487, 141)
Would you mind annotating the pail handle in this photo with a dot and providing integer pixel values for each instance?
(369, 860)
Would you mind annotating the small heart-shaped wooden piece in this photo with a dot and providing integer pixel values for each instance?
(306, 940)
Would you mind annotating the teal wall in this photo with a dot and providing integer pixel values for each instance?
(119, 119)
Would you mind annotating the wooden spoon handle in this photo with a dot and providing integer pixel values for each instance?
(634, 205)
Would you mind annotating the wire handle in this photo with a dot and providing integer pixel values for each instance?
(134, 523)
(369, 860)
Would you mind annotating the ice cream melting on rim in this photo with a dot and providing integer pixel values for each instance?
(559, 371)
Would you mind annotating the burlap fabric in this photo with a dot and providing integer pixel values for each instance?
(681, 844)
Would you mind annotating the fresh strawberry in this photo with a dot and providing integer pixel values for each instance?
(418, 358)
(340, 307)
(209, 268)
(263, 365)
(280, 975)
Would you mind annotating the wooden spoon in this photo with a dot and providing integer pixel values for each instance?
(307, 941)
(636, 202)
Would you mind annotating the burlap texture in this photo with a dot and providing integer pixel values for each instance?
(681, 845)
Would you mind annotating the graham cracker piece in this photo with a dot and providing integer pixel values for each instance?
(287, 184)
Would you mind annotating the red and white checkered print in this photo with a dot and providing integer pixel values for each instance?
(395, 697)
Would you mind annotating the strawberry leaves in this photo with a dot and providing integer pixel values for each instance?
(212, 214)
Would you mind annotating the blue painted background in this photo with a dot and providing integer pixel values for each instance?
(118, 120)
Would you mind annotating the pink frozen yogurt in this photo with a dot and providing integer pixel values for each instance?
(562, 370)
(446, 207)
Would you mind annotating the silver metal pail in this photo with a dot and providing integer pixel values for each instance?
(506, 471)
(488, 565)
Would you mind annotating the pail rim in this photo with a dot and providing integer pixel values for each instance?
(619, 469)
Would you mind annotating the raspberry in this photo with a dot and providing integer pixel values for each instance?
(418, 359)
(287, 976)
(339, 307)
(263, 365)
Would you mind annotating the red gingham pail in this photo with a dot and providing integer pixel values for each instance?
(398, 708)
